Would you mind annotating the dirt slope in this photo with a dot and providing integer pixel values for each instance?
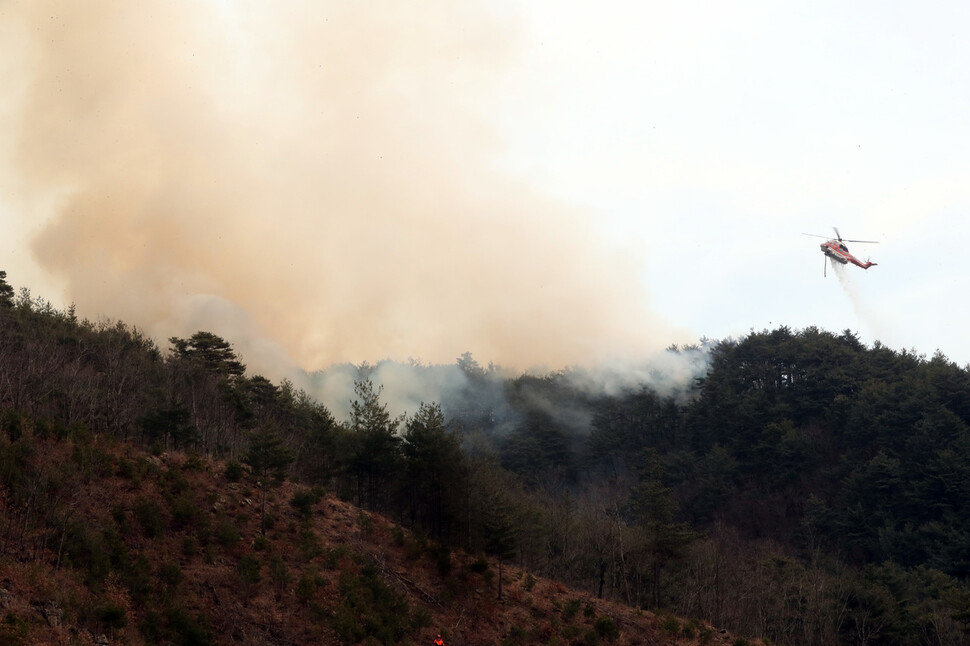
(129, 548)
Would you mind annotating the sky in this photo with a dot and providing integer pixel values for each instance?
(540, 183)
(718, 134)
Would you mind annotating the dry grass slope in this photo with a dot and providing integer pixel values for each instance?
(141, 549)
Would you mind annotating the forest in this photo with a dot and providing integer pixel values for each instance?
(806, 489)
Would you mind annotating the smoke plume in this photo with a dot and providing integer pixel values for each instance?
(318, 182)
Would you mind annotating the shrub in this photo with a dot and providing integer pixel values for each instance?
(188, 629)
(605, 627)
(571, 609)
(149, 516)
(332, 556)
(248, 569)
(479, 565)
(421, 618)
(365, 523)
(307, 586)
(347, 625)
(369, 609)
(151, 626)
(670, 624)
(137, 577)
(120, 516)
(413, 549)
(690, 629)
(233, 472)
(269, 520)
(194, 463)
(13, 630)
(185, 513)
(226, 534)
(443, 560)
(190, 546)
(12, 424)
(170, 573)
(304, 499)
(177, 482)
(112, 615)
(128, 469)
(90, 551)
(310, 546)
(516, 636)
(278, 572)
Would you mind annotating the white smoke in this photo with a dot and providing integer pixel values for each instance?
(405, 386)
(670, 373)
(862, 308)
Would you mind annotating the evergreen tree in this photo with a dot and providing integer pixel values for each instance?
(498, 526)
(269, 460)
(434, 469)
(210, 352)
(666, 539)
(373, 457)
(6, 291)
(316, 437)
(207, 374)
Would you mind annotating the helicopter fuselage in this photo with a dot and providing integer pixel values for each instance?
(837, 251)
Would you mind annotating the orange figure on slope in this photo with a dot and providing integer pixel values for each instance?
(438, 642)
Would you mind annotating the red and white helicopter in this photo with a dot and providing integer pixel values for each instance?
(835, 250)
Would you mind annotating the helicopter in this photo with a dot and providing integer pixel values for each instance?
(835, 250)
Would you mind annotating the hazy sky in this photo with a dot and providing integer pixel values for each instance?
(537, 182)
(716, 133)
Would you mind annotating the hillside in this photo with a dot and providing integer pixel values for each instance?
(118, 546)
(802, 488)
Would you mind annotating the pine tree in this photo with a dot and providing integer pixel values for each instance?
(434, 468)
(210, 352)
(374, 455)
(269, 461)
(499, 529)
(6, 291)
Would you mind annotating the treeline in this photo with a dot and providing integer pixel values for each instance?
(811, 490)
(63, 376)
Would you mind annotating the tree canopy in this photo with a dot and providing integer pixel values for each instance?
(833, 475)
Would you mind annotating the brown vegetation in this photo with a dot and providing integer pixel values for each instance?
(129, 548)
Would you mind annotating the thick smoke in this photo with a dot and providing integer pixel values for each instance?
(319, 183)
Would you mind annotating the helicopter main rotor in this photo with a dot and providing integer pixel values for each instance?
(840, 238)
